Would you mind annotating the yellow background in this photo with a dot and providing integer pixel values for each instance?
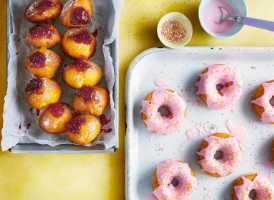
(102, 176)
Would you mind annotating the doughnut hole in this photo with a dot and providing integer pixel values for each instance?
(271, 101)
(165, 111)
(252, 194)
(219, 87)
(218, 155)
(176, 184)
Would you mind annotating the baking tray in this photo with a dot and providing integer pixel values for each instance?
(69, 149)
(180, 67)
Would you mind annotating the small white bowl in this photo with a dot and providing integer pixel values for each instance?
(184, 21)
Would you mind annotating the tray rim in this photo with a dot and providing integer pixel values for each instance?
(114, 47)
(129, 74)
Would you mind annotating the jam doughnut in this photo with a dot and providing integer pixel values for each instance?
(43, 63)
(257, 183)
(219, 86)
(170, 100)
(83, 129)
(230, 159)
(91, 100)
(43, 35)
(42, 10)
(82, 72)
(78, 43)
(173, 180)
(76, 13)
(261, 102)
(41, 92)
(55, 118)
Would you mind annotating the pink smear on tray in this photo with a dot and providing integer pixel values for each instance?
(151, 197)
(212, 14)
(161, 83)
(196, 103)
(150, 136)
(239, 132)
(268, 163)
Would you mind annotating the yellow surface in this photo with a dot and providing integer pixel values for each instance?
(102, 176)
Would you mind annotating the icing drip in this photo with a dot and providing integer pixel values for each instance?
(263, 101)
(230, 160)
(220, 75)
(160, 83)
(166, 172)
(239, 132)
(263, 188)
(162, 124)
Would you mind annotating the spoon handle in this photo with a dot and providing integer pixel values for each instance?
(258, 23)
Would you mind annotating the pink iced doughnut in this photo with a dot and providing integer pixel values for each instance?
(174, 180)
(229, 161)
(260, 184)
(228, 80)
(153, 118)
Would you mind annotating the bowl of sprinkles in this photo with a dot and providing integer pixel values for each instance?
(174, 30)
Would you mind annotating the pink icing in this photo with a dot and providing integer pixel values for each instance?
(230, 160)
(268, 164)
(162, 124)
(196, 103)
(160, 83)
(190, 134)
(166, 173)
(150, 136)
(220, 75)
(239, 132)
(263, 188)
(151, 197)
(263, 101)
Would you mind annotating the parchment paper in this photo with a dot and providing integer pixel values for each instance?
(105, 14)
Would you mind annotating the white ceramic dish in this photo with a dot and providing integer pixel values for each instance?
(184, 21)
(181, 68)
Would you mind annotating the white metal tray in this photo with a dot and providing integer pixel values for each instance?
(181, 68)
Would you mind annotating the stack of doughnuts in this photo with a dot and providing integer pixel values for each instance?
(78, 43)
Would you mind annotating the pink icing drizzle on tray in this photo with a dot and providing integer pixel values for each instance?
(160, 83)
(239, 132)
(162, 124)
(230, 160)
(263, 101)
(220, 75)
(263, 188)
(166, 172)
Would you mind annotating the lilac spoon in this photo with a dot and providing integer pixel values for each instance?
(258, 23)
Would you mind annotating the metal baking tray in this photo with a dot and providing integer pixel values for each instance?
(180, 67)
(70, 149)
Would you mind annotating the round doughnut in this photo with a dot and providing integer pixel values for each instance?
(78, 43)
(43, 63)
(76, 13)
(43, 35)
(91, 100)
(41, 92)
(55, 118)
(259, 184)
(42, 10)
(231, 157)
(82, 72)
(173, 180)
(153, 119)
(219, 86)
(261, 102)
(83, 129)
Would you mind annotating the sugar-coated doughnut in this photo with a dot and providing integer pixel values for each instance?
(55, 118)
(83, 129)
(76, 13)
(43, 63)
(82, 72)
(41, 92)
(78, 43)
(41, 10)
(219, 86)
(91, 100)
(173, 180)
(258, 183)
(229, 161)
(261, 102)
(43, 35)
(153, 119)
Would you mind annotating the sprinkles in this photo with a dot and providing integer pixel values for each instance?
(173, 31)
